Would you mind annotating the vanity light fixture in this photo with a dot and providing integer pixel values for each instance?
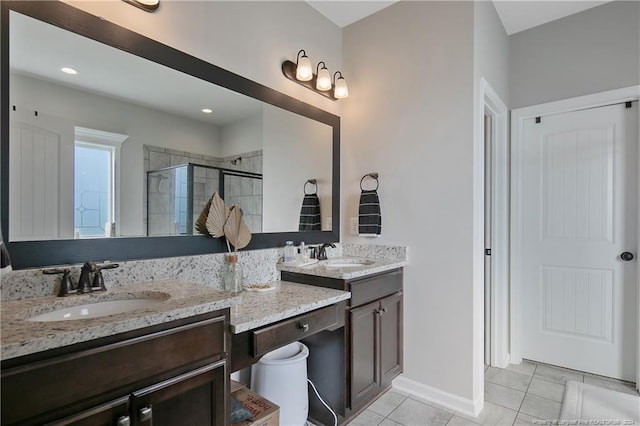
(323, 82)
(69, 71)
(303, 67)
(302, 73)
(207, 110)
(146, 5)
(340, 89)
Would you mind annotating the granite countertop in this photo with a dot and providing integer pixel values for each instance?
(321, 269)
(258, 309)
(179, 300)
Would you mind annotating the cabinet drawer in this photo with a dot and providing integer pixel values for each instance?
(91, 374)
(296, 328)
(376, 287)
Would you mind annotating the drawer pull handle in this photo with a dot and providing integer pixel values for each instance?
(303, 327)
(123, 421)
(145, 414)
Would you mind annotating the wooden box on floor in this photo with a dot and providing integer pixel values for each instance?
(265, 412)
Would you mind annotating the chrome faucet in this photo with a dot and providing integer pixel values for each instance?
(322, 252)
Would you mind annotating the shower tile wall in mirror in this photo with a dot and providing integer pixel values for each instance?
(122, 148)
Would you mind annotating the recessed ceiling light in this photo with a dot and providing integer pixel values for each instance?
(207, 110)
(68, 70)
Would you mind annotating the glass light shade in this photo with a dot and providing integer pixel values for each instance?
(324, 80)
(341, 90)
(304, 72)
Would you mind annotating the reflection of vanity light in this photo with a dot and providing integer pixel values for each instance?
(69, 71)
(207, 110)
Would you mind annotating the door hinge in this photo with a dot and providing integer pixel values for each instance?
(487, 252)
(538, 120)
(628, 104)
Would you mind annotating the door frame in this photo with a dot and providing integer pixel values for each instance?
(631, 93)
(487, 101)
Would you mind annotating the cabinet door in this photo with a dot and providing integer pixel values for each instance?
(390, 338)
(112, 413)
(198, 397)
(365, 376)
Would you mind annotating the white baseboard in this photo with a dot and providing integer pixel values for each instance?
(433, 395)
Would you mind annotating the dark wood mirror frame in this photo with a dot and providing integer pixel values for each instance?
(26, 254)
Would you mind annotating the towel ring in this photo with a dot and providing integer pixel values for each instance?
(312, 182)
(372, 176)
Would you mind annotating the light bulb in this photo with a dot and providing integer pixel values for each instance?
(341, 90)
(324, 79)
(304, 72)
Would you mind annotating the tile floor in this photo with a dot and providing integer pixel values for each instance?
(516, 395)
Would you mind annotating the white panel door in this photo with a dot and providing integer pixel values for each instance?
(580, 189)
(40, 177)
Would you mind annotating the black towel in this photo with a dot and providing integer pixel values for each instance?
(5, 260)
(310, 213)
(369, 217)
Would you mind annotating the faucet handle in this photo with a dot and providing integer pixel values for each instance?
(66, 285)
(107, 266)
(98, 282)
(98, 279)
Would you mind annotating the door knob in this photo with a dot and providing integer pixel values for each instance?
(626, 256)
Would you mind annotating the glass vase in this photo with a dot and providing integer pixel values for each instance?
(232, 277)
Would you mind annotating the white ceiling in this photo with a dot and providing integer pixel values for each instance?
(345, 12)
(520, 15)
(516, 15)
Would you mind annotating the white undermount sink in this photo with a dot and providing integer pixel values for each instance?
(347, 263)
(96, 310)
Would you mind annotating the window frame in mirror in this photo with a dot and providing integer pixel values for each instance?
(28, 254)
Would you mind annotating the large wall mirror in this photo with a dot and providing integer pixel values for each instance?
(112, 144)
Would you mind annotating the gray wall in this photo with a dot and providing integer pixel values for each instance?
(409, 117)
(491, 49)
(592, 51)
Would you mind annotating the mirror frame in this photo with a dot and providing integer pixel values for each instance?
(27, 254)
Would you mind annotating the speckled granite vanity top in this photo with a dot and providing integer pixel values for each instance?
(177, 299)
(324, 268)
(286, 301)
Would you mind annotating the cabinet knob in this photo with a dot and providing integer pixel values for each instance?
(145, 414)
(303, 327)
(123, 421)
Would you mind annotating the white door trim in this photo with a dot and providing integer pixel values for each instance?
(517, 136)
(488, 100)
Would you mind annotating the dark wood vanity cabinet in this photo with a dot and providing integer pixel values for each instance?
(372, 337)
(376, 347)
(170, 374)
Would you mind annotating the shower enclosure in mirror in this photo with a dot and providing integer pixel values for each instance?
(177, 194)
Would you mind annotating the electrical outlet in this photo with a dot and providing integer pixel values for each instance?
(354, 226)
(328, 223)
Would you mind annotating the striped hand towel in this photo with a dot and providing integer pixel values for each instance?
(310, 213)
(369, 217)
